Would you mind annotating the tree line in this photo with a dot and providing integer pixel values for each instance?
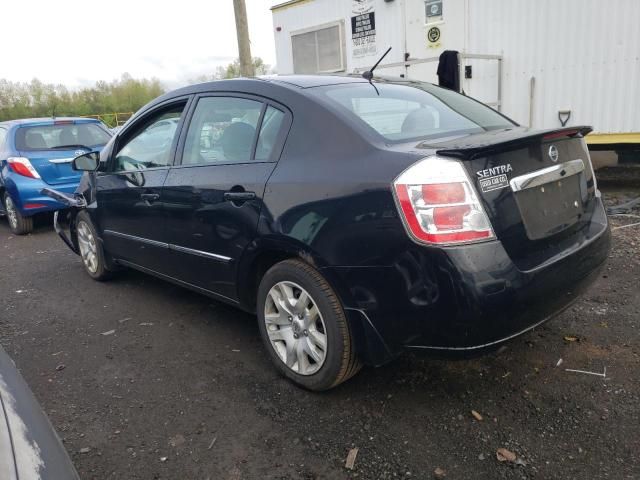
(126, 94)
(38, 99)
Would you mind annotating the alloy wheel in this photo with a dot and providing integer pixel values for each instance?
(295, 328)
(12, 214)
(88, 247)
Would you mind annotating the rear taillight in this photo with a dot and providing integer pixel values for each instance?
(22, 166)
(439, 204)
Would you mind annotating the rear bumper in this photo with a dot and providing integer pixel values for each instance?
(468, 298)
(25, 191)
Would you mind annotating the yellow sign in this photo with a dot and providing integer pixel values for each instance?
(433, 37)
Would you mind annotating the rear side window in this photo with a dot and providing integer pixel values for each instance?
(61, 136)
(223, 130)
(271, 125)
(3, 135)
(413, 111)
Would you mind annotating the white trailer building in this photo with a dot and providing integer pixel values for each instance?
(541, 62)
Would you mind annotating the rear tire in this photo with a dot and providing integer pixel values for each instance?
(19, 224)
(310, 343)
(90, 248)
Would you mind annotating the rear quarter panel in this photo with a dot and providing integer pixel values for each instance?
(330, 193)
(329, 202)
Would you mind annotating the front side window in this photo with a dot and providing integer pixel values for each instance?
(319, 51)
(402, 112)
(61, 136)
(150, 145)
(222, 130)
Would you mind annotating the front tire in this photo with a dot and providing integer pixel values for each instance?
(304, 327)
(90, 248)
(19, 224)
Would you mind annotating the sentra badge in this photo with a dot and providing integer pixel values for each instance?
(494, 178)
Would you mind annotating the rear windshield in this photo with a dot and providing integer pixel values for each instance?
(401, 112)
(61, 137)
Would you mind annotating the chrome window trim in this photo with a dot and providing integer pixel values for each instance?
(547, 175)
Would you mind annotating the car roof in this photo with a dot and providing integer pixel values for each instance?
(245, 84)
(311, 81)
(295, 81)
(48, 121)
(298, 83)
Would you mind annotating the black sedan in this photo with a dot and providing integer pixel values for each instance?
(357, 219)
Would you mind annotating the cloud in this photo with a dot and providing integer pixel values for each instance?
(146, 39)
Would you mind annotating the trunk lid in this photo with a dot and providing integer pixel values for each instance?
(54, 167)
(537, 187)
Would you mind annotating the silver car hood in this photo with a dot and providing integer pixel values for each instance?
(7, 459)
(19, 456)
(29, 446)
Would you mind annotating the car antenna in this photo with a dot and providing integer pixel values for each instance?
(368, 75)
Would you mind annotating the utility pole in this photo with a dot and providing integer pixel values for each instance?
(242, 30)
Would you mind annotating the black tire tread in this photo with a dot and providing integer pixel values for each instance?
(350, 363)
(103, 273)
(25, 224)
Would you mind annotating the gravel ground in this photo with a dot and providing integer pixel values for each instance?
(161, 383)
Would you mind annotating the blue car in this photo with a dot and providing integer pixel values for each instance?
(36, 153)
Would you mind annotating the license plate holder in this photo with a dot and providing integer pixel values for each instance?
(553, 206)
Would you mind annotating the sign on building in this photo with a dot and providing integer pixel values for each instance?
(433, 10)
(363, 28)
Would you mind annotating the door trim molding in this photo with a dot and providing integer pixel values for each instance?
(169, 246)
(200, 253)
(137, 239)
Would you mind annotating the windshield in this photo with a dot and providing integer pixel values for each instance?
(401, 112)
(61, 137)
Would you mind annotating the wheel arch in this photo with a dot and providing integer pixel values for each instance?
(91, 213)
(263, 253)
(8, 186)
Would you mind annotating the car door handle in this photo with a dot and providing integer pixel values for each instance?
(239, 196)
(150, 197)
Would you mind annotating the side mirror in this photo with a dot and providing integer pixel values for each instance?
(87, 162)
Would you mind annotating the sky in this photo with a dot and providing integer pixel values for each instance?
(78, 42)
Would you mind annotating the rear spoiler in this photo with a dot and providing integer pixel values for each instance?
(497, 141)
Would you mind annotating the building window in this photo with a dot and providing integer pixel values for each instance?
(433, 10)
(318, 51)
